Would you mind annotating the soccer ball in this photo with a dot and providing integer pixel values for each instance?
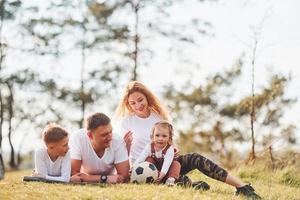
(144, 172)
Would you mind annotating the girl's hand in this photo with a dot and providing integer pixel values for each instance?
(176, 152)
(130, 170)
(160, 177)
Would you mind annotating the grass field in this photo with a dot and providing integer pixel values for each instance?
(279, 185)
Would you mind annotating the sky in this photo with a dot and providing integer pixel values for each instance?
(234, 25)
(234, 22)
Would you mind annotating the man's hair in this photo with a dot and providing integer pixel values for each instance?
(96, 120)
(53, 133)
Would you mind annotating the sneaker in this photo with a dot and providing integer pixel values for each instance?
(200, 185)
(184, 181)
(247, 191)
(170, 182)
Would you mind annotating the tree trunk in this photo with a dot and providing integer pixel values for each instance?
(1, 26)
(1, 124)
(2, 170)
(82, 92)
(136, 42)
(19, 156)
(272, 157)
(252, 156)
(12, 162)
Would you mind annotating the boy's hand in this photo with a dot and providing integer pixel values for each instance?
(36, 174)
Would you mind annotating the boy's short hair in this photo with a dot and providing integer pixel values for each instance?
(96, 120)
(53, 133)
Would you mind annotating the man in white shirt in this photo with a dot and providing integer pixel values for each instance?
(97, 156)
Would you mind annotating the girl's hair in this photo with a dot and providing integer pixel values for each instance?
(153, 102)
(163, 124)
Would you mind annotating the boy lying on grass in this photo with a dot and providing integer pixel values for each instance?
(53, 163)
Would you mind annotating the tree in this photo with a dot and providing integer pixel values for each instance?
(149, 21)
(14, 108)
(216, 123)
(7, 11)
(88, 36)
(96, 29)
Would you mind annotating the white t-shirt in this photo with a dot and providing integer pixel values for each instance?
(59, 170)
(141, 128)
(168, 158)
(81, 149)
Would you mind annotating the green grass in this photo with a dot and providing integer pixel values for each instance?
(279, 185)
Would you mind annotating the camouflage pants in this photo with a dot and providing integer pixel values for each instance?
(193, 161)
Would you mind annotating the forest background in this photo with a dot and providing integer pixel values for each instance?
(225, 69)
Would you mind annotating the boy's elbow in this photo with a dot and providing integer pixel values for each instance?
(67, 179)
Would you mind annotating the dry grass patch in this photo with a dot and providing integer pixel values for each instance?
(12, 187)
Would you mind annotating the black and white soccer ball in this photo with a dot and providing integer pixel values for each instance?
(144, 172)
